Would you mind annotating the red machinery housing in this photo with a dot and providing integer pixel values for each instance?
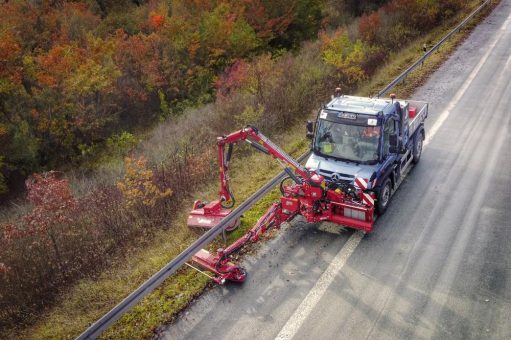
(309, 195)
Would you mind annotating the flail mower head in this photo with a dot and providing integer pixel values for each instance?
(207, 215)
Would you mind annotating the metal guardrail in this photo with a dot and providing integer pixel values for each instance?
(426, 55)
(95, 330)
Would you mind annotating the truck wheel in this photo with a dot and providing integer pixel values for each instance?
(417, 147)
(384, 196)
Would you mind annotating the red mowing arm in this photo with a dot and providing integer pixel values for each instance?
(260, 142)
(219, 263)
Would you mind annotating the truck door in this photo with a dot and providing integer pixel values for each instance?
(388, 129)
(388, 160)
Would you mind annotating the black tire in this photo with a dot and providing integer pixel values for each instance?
(417, 147)
(384, 195)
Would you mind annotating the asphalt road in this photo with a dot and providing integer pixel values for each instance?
(438, 264)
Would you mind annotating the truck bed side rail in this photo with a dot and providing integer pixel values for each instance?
(420, 116)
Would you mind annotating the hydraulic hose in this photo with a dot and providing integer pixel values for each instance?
(228, 204)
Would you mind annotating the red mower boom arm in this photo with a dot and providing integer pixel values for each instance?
(260, 142)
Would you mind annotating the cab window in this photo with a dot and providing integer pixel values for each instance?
(389, 129)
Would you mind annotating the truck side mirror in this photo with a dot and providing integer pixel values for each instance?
(310, 129)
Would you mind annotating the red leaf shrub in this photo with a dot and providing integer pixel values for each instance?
(232, 79)
(368, 27)
(52, 200)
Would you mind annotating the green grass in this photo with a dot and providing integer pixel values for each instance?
(90, 299)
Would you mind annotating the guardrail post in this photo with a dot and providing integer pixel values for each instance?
(224, 237)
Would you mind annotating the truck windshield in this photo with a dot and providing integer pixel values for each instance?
(347, 142)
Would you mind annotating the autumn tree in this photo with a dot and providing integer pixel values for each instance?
(346, 55)
(138, 187)
(368, 27)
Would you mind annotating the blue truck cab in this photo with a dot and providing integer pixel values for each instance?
(367, 142)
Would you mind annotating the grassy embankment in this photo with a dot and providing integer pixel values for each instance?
(90, 299)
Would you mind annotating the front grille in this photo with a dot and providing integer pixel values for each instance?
(342, 178)
(330, 173)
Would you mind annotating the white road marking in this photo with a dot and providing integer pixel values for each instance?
(316, 293)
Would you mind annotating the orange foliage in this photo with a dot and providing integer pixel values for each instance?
(421, 15)
(10, 52)
(138, 185)
(268, 22)
(156, 21)
(140, 55)
(57, 64)
(9, 48)
(3, 130)
(232, 78)
(368, 27)
(73, 20)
